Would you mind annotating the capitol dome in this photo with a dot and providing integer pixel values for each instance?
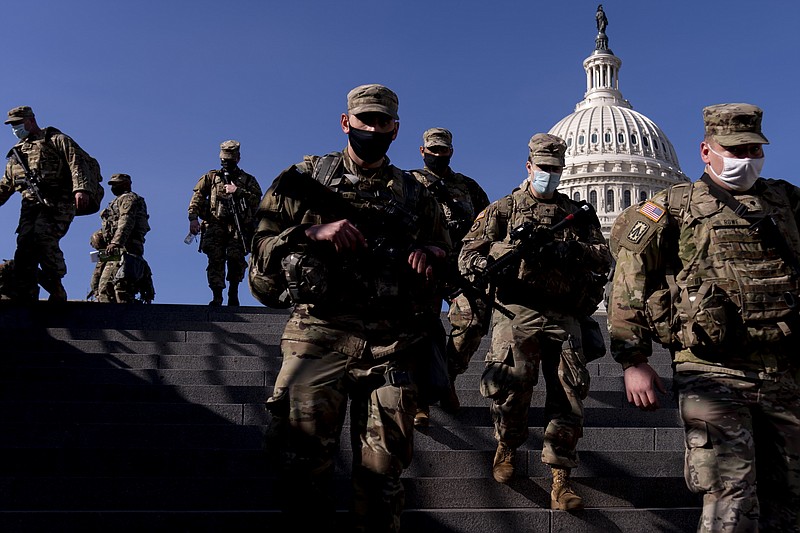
(615, 156)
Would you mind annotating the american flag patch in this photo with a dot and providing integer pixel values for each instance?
(652, 211)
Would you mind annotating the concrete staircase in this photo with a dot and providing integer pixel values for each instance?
(150, 418)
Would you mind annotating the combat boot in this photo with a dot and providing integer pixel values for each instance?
(233, 294)
(449, 401)
(503, 465)
(423, 417)
(55, 288)
(562, 497)
(217, 300)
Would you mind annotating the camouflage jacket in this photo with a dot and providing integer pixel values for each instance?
(53, 155)
(125, 222)
(704, 281)
(541, 281)
(461, 200)
(211, 203)
(372, 295)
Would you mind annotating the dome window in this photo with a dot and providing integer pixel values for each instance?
(593, 138)
(576, 196)
(626, 199)
(645, 142)
(609, 200)
(581, 139)
(569, 142)
(642, 196)
(634, 140)
(621, 138)
(607, 137)
(593, 199)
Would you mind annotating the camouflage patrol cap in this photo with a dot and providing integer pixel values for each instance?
(19, 113)
(437, 137)
(229, 149)
(372, 97)
(119, 178)
(546, 149)
(734, 124)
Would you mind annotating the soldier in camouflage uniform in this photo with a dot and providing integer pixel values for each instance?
(547, 294)
(124, 226)
(352, 239)
(217, 196)
(710, 270)
(52, 155)
(461, 199)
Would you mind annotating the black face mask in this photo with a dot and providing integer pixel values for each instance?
(228, 164)
(437, 163)
(370, 146)
(116, 190)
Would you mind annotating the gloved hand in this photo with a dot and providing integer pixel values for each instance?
(542, 235)
(479, 264)
(569, 251)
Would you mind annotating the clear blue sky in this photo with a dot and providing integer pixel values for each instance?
(151, 88)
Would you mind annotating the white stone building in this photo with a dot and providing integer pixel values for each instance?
(615, 155)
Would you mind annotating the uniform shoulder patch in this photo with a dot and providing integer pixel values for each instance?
(652, 210)
(637, 232)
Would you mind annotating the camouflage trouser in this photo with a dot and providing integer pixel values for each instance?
(38, 235)
(110, 290)
(742, 436)
(222, 245)
(512, 370)
(468, 328)
(308, 408)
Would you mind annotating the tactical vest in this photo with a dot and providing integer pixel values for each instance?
(742, 279)
(453, 196)
(110, 218)
(220, 201)
(42, 157)
(380, 278)
(571, 289)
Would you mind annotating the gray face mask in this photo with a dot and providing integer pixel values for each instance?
(19, 131)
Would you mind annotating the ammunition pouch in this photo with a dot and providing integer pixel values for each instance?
(306, 278)
(709, 320)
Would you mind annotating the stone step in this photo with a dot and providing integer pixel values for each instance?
(134, 417)
(42, 411)
(221, 434)
(673, 520)
(201, 492)
(243, 462)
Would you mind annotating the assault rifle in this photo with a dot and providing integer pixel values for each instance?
(31, 179)
(380, 224)
(528, 240)
(460, 221)
(237, 208)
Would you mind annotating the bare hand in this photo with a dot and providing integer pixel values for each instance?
(418, 259)
(639, 386)
(343, 235)
(81, 200)
(230, 188)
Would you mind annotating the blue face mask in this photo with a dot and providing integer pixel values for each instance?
(19, 131)
(545, 182)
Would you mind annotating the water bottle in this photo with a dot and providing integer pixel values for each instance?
(189, 238)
